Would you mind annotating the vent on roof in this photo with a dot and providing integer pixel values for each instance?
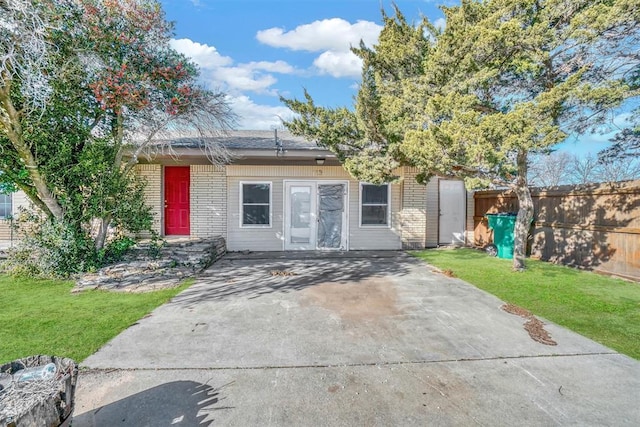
(279, 148)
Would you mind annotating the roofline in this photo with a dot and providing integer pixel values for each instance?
(254, 153)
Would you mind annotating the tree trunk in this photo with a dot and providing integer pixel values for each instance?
(525, 214)
(11, 121)
(118, 137)
(101, 236)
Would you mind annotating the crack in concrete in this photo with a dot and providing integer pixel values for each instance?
(349, 365)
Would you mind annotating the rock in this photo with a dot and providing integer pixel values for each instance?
(142, 273)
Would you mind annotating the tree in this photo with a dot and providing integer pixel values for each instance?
(626, 143)
(548, 170)
(144, 87)
(502, 80)
(560, 168)
(583, 170)
(367, 140)
(617, 169)
(86, 88)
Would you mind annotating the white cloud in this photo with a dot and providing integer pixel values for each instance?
(258, 117)
(217, 70)
(339, 64)
(205, 56)
(333, 37)
(328, 34)
(440, 23)
(220, 72)
(244, 79)
(275, 67)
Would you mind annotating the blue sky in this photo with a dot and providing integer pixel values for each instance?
(256, 50)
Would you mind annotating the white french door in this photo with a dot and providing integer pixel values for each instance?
(315, 215)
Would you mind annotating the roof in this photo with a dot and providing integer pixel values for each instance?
(249, 140)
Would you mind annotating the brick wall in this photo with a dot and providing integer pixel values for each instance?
(208, 201)
(152, 174)
(414, 211)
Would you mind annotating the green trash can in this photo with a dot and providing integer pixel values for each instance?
(503, 225)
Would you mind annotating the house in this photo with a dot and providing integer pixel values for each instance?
(9, 208)
(282, 192)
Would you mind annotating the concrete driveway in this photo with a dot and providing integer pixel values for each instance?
(359, 338)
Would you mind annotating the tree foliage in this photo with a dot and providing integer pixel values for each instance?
(626, 143)
(502, 80)
(86, 88)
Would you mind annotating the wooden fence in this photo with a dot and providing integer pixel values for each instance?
(592, 226)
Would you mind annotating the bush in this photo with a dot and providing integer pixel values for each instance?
(49, 248)
(54, 249)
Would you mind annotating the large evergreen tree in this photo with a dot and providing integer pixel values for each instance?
(502, 80)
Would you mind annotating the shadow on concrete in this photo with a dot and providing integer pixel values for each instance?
(256, 274)
(179, 403)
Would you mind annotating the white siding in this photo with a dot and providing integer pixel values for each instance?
(208, 201)
(267, 238)
(18, 199)
(367, 237)
(288, 172)
(271, 239)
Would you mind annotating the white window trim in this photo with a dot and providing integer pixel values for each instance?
(242, 225)
(388, 224)
(10, 195)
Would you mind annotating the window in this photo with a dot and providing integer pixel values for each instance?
(5, 205)
(374, 204)
(256, 203)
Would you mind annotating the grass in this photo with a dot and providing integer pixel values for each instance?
(602, 308)
(43, 317)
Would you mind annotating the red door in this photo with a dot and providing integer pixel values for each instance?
(176, 200)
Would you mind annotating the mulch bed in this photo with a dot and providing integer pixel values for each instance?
(533, 325)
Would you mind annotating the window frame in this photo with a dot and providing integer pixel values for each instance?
(9, 204)
(388, 205)
(242, 204)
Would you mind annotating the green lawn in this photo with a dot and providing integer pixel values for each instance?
(43, 317)
(602, 308)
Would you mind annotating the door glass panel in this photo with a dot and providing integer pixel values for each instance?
(330, 209)
(300, 214)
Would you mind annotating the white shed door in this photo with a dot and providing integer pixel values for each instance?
(452, 212)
